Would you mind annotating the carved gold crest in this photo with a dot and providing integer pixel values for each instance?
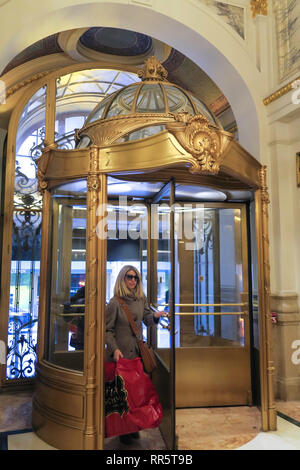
(153, 70)
(259, 7)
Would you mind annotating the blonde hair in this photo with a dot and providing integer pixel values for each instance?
(121, 290)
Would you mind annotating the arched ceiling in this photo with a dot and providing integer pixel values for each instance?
(125, 47)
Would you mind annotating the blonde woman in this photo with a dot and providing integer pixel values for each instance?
(120, 340)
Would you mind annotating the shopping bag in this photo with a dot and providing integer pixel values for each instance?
(131, 401)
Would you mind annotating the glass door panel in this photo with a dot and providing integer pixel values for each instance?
(162, 298)
(212, 306)
(140, 233)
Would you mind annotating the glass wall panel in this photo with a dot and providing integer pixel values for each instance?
(126, 240)
(203, 109)
(163, 271)
(68, 268)
(25, 261)
(123, 102)
(255, 305)
(150, 100)
(178, 101)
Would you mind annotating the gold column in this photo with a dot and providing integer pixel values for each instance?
(101, 306)
(7, 244)
(95, 308)
(266, 361)
(50, 112)
(45, 233)
(43, 275)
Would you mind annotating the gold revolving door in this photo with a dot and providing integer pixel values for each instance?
(149, 131)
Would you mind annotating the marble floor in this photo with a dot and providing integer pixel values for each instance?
(15, 411)
(289, 409)
(287, 437)
(228, 428)
(216, 428)
(232, 428)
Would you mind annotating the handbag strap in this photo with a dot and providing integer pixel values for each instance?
(129, 316)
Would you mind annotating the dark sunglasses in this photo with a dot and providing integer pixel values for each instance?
(131, 276)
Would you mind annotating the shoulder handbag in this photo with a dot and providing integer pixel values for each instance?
(146, 352)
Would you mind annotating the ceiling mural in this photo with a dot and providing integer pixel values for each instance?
(189, 76)
(99, 43)
(287, 13)
(40, 48)
(232, 15)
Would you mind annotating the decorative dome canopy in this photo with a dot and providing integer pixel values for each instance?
(148, 105)
(152, 95)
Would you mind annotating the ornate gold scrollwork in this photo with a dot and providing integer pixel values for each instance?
(42, 165)
(20, 85)
(94, 158)
(203, 141)
(93, 179)
(93, 183)
(263, 185)
(259, 7)
(42, 183)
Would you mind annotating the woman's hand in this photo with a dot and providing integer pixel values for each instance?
(160, 314)
(117, 355)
